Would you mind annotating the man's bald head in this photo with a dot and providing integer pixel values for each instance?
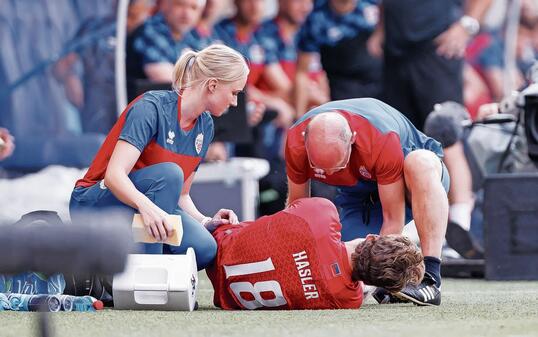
(327, 140)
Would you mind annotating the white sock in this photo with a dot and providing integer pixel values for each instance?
(460, 213)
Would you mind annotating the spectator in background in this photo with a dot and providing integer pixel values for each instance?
(153, 48)
(526, 52)
(88, 74)
(241, 33)
(338, 30)
(32, 35)
(475, 90)
(138, 12)
(424, 42)
(204, 31)
(280, 34)
(7, 143)
(444, 124)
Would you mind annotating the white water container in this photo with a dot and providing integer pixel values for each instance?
(157, 282)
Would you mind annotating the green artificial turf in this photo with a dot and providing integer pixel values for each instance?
(469, 308)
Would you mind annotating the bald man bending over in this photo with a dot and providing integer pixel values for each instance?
(387, 173)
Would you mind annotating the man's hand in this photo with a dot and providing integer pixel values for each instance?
(216, 152)
(453, 41)
(375, 43)
(222, 217)
(7, 143)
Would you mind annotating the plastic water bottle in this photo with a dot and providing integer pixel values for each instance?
(23, 302)
(3, 285)
(86, 303)
(80, 303)
(52, 303)
(4, 302)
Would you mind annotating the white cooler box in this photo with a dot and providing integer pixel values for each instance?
(157, 282)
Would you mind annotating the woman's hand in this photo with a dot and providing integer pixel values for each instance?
(155, 221)
(222, 217)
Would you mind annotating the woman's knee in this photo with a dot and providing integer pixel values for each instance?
(162, 183)
(206, 252)
(172, 173)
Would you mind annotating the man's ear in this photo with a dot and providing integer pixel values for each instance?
(212, 85)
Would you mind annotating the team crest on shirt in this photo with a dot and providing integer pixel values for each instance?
(171, 136)
(257, 55)
(364, 172)
(334, 33)
(371, 14)
(198, 142)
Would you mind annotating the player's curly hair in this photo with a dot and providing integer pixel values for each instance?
(390, 262)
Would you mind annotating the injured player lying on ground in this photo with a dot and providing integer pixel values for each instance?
(295, 259)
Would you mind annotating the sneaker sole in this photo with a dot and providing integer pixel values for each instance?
(414, 300)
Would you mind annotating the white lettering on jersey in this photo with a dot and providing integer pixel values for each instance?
(305, 275)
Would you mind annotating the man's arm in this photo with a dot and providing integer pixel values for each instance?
(477, 8)
(278, 81)
(392, 197)
(452, 42)
(301, 82)
(297, 191)
(160, 72)
(376, 40)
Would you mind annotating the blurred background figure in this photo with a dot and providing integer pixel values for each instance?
(138, 12)
(337, 31)
(241, 32)
(88, 74)
(445, 123)
(280, 35)
(204, 32)
(423, 44)
(7, 143)
(154, 47)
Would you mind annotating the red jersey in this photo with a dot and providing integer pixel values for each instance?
(293, 259)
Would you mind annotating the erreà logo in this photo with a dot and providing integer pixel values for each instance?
(171, 136)
(198, 142)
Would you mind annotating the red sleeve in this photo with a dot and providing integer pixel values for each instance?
(388, 167)
(296, 161)
(320, 214)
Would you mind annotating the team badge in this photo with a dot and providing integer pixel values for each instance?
(371, 14)
(257, 54)
(198, 142)
(334, 33)
(364, 172)
(171, 136)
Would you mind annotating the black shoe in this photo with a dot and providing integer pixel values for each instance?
(425, 293)
(462, 242)
(383, 296)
